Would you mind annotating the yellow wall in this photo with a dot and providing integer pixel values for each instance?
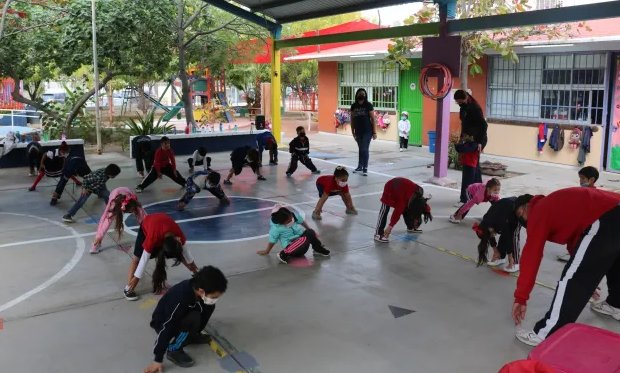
(390, 134)
(520, 142)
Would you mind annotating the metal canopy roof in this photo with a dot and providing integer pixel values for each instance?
(283, 11)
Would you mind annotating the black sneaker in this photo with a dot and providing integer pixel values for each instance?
(180, 358)
(198, 339)
(139, 189)
(321, 251)
(288, 175)
(261, 177)
(364, 172)
(54, 201)
(273, 163)
(130, 295)
(227, 182)
(68, 219)
(359, 169)
(282, 258)
(31, 189)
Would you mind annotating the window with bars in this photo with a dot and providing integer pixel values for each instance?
(548, 4)
(380, 83)
(562, 88)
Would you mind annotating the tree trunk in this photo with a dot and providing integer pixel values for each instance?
(33, 89)
(75, 111)
(464, 70)
(17, 96)
(110, 92)
(142, 104)
(185, 91)
(5, 10)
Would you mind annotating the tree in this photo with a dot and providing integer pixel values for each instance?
(475, 44)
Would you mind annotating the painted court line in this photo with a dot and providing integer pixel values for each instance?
(58, 238)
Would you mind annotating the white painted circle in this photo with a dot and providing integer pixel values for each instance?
(77, 255)
(412, 86)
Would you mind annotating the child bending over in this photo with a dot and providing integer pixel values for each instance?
(244, 156)
(334, 185)
(266, 141)
(211, 183)
(199, 158)
(476, 194)
(93, 183)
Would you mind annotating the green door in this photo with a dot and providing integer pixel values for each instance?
(410, 99)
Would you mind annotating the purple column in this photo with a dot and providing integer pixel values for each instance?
(442, 138)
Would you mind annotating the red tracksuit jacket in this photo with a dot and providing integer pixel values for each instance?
(561, 217)
(164, 158)
(396, 193)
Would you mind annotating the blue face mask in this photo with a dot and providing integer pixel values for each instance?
(403, 118)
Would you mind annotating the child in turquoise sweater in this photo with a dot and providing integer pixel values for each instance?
(294, 235)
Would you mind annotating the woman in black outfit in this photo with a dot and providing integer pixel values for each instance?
(363, 128)
(472, 123)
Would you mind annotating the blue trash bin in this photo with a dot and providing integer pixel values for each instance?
(432, 135)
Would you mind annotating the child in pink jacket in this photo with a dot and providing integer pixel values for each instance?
(476, 194)
(122, 200)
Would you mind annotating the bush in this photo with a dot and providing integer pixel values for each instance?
(55, 126)
(145, 125)
(453, 155)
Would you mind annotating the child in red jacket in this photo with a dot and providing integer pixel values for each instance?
(163, 164)
(407, 199)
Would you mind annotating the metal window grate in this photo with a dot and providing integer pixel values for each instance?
(380, 83)
(559, 88)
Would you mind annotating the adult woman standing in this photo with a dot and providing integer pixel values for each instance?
(363, 128)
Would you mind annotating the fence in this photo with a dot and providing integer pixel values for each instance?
(302, 101)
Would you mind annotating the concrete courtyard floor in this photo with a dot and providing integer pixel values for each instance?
(62, 309)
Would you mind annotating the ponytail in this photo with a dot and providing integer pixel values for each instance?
(121, 205)
(159, 274)
(486, 239)
(171, 249)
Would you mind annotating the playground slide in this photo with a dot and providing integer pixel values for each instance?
(173, 112)
(156, 102)
(222, 97)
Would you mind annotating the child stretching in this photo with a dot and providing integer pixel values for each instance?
(500, 219)
(469, 155)
(266, 141)
(404, 126)
(332, 185)
(240, 158)
(121, 201)
(144, 154)
(51, 165)
(199, 158)
(74, 166)
(587, 179)
(93, 183)
(211, 183)
(163, 164)
(299, 148)
(34, 152)
(158, 237)
(476, 194)
(407, 200)
(294, 234)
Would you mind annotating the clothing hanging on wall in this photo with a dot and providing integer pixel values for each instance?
(584, 148)
(556, 140)
(542, 136)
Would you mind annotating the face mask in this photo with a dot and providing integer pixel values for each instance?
(209, 301)
(403, 118)
(360, 98)
(494, 195)
(302, 134)
(290, 225)
(585, 185)
(341, 184)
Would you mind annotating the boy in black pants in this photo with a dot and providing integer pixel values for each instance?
(181, 315)
(591, 235)
(299, 148)
(163, 164)
(74, 166)
(144, 154)
(240, 158)
(211, 183)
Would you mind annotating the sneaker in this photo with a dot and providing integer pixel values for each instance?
(364, 172)
(316, 172)
(414, 230)
(95, 249)
(513, 269)
(351, 212)
(53, 201)
(496, 262)
(227, 182)
(130, 295)
(458, 204)
(381, 239)
(321, 251)
(31, 189)
(68, 219)
(564, 257)
(359, 169)
(139, 189)
(400, 150)
(605, 309)
(282, 258)
(141, 174)
(316, 216)
(198, 339)
(528, 337)
(261, 177)
(180, 358)
(273, 163)
(454, 220)
(288, 175)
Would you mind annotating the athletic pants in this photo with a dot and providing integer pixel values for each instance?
(509, 242)
(304, 159)
(300, 246)
(383, 217)
(73, 166)
(192, 324)
(168, 171)
(404, 142)
(597, 255)
(468, 177)
(273, 156)
(190, 162)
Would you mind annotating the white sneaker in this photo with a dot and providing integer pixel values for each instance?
(401, 149)
(497, 262)
(458, 204)
(454, 220)
(414, 230)
(564, 257)
(513, 269)
(528, 337)
(605, 309)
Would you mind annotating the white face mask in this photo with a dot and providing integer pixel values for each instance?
(495, 195)
(209, 301)
(341, 184)
(290, 225)
(585, 185)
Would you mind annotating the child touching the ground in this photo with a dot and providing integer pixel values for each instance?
(182, 314)
(294, 235)
(407, 199)
(211, 183)
(404, 126)
(199, 158)
(51, 165)
(587, 179)
(74, 166)
(299, 148)
(163, 164)
(500, 219)
(332, 185)
(93, 183)
(121, 201)
(476, 194)
(158, 237)
(240, 158)
(469, 155)
(266, 141)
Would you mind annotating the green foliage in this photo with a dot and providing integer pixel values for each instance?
(146, 125)
(453, 155)
(55, 125)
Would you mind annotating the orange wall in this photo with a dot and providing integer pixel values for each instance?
(478, 86)
(328, 95)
